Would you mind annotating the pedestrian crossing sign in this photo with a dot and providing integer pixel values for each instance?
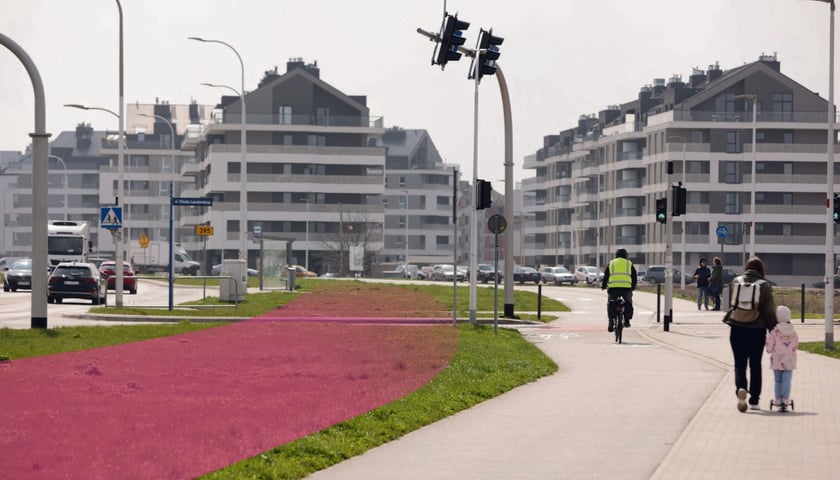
(110, 217)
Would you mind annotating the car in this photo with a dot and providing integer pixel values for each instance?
(405, 271)
(588, 274)
(656, 274)
(18, 276)
(557, 275)
(447, 273)
(821, 284)
(77, 280)
(486, 273)
(6, 263)
(523, 275)
(217, 270)
(109, 268)
(300, 272)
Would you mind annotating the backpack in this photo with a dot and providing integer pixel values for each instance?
(744, 299)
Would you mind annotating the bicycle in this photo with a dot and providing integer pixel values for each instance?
(618, 318)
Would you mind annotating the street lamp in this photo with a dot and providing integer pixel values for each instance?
(243, 178)
(171, 210)
(306, 238)
(118, 238)
(754, 99)
(405, 257)
(64, 183)
(829, 221)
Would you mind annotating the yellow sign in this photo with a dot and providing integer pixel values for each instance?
(204, 230)
(144, 240)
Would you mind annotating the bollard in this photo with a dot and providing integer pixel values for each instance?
(539, 301)
(802, 303)
(658, 293)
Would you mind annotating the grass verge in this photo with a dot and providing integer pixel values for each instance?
(485, 366)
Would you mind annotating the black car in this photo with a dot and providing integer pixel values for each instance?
(19, 275)
(486, 273)
(523, 275)
(77, 280)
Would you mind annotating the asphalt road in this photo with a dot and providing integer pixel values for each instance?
(17, 306)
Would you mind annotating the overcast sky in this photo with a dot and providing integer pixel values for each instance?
(561, 58)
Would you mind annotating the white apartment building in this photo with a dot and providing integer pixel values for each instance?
(595, 185)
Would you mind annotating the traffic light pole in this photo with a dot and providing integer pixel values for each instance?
(474, 211)
(669, 255)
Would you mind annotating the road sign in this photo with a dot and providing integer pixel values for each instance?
(204, 230)
(193, 202)
(257, 230)
(496, 223)
(110, 217)
(144, 240)
(722, 231)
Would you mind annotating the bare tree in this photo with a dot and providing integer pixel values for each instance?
(355, 229)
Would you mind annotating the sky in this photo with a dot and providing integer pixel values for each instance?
(561, 59)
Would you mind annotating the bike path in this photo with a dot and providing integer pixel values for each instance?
(664, 400)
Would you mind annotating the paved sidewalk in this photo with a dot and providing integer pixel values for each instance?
(663, 400)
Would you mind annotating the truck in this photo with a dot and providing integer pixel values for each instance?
(155, 259)
(67, 241)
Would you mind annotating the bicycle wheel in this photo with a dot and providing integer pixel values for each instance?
(619, 326)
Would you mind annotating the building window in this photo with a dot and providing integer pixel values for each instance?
(316, 140)
(731, 172)
(788, 168)
(442, 240)
(322, 116)
(287, 140)
(783, 107)
(284, 114)
(788, 137)
(733, 142)
(402, 180)
(760, 137)
(787, 199)
(733, 204)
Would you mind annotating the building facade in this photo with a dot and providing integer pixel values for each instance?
(595, 185)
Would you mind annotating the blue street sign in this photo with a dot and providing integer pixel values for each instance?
(110, 217)
(193, 202)
(722, 231)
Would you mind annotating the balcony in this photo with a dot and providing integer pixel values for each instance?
(234, 119)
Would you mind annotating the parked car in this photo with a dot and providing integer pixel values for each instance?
(588, 274)
(526, 274)
(109, 268)
(821, 284)
(6, 263)
(405, 271)
(217, 270)
(19, 276)
(447, 273)
(656, 274)
(77, 280)
(486, 273)
(557, 275)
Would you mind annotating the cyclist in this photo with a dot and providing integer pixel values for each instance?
(620, 281)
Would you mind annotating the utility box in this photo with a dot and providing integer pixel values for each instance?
(233, 290)
(291, 273)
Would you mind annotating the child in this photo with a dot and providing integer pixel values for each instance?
(782, 343)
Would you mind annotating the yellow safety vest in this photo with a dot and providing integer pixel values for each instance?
(621, 271)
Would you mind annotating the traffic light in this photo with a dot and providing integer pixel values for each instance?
(487, 52)
(836, 209)
(451, 37)
(483, 194)
(679, 200)
(661, 210)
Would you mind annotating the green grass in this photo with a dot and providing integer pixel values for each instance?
(15, 344)
(819, 348)
(258, 303)
(485, 366)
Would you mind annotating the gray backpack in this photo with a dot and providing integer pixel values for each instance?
(744, 299)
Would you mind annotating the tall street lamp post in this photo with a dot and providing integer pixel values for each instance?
(405, 256)
(243, 177)
(40, 150)
(171, 210)
(64, 183)
(118, 240)
(754, 99)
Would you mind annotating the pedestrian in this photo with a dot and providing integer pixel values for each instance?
(702, 275)
(716, 282)
(748, 333)
(782, 343)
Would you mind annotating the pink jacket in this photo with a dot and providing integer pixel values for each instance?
(781, 344)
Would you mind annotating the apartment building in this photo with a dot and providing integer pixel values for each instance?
(596, 184)
(418, 200)
(83, 177)
(314, 181)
